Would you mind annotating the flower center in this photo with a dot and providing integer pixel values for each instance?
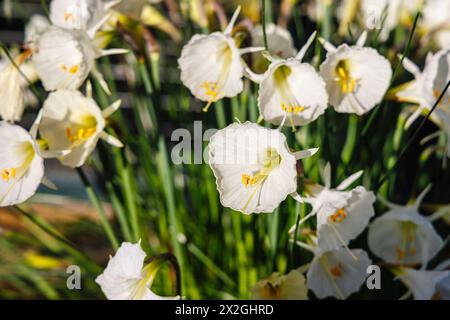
(336, 271)
(86, 128)
(338, 216)
(272, 291)
(71, 69)
(408, 238)
(269, 161)
(212, 88)
(289, 103)
(345, 79)
(8, 174)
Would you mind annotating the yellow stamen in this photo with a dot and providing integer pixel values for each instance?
(338, 216)
(68, 16)
(72, 70)
(336, 271)
(342, 70)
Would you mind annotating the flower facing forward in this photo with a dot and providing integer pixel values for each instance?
(279, 41)
(291, 90)
(65, 58)
(425, 284)
(74, 123)
(341, 215)
(254, 169)
(336, 273)
(402, 236)
(356, 77)
(211, 65)
(79, 14)
(21, 165)
(126, 277)
(281, 287)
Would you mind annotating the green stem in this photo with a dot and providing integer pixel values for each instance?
(264, 21)
(96, 202)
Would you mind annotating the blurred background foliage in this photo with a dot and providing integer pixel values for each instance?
(175, 208)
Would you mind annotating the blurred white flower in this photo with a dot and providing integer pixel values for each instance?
(424, 284)
(64, 58)
(35, 27)
(14, 93)
(126, 277)
(254, 168)
(341, 215)
(21, 165)
(436, 21)
(80, 14)
(73, 123)
(211, 65)
(402, 236)
(281, 287)
(427, 87)
(356, 77)
(388, 14)
(336, 273)
(291, 90)
(279, 41)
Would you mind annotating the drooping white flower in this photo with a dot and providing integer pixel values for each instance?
(336, 273)
(21, 165)
(291, 90)
(402, 236)
(341, 215)
(35, 27)
(126, 278)
(436, 21)
(211, 65)
(279, 41)
(65, 58)
(13, 86)
(356, 77)
(427, 87)
(254, 168)
(80, 14)
(281, 287)
(74, 123)
(424, 284)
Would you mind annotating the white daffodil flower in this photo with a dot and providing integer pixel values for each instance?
(427, 87)
(425, 284)
(291, 90)
(126, 278)
(281, 287)
(211, 65)
(356, 77)
(80, 14)
(388, 14)
(279, 41)
(35, 27)
(341, 215)
(402, 236)
(254, 168)
(64, 58)
(336, 273)
(13, 86)
(436, 21)
(21, 165)
(74, 123)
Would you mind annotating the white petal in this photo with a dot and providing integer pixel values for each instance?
(211, 67)
(422, 283)
(292, 84)
(65, 115)
(347, 182)
(352, 273)
(21, 166)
